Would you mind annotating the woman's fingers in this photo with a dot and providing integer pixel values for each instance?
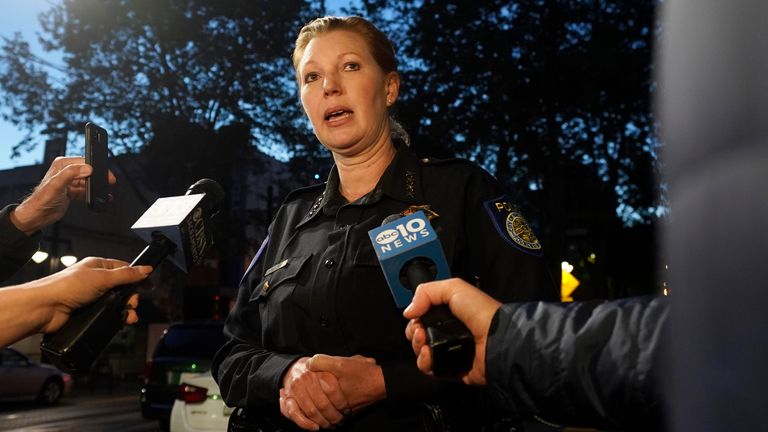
(290, 408)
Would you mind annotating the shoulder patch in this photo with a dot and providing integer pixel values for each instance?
(512, 226)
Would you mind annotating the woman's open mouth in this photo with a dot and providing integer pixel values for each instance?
(335, 115)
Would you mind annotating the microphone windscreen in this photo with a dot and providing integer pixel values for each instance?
(212, 189)
(399, 241)
(185, 220)
(391, 218)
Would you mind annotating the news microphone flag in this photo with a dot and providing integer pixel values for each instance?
(402, 240)
(180, 218)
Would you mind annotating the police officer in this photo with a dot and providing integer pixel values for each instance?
(315, 286)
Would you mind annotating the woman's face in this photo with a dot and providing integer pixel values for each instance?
(345, 93)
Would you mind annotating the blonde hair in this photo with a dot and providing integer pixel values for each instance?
(382, 50)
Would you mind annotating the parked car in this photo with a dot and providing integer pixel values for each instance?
(184, 348)
(198, 406)
(22, 378)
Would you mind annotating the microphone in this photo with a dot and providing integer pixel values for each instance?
(175, 227)
(410, 254)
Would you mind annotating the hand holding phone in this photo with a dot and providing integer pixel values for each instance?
(96, 185)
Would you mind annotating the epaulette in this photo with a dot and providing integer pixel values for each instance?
(472, 166)
(443, 161)
(303, 190)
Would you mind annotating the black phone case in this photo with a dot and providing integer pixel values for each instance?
(96, 185)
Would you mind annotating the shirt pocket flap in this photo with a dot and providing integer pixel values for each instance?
(275, 276)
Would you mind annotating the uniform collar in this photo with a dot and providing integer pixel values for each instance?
(401, 181)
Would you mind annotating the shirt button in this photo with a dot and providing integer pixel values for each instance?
(324, 323)
(329, 263)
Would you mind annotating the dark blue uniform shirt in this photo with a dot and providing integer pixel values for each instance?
(317, 287)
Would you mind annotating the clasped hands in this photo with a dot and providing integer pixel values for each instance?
(321, 391)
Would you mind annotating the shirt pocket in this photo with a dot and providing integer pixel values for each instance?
(280, 278)
(365, 256)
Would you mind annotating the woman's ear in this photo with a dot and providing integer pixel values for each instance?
(392, 87)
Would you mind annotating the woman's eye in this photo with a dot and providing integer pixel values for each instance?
(352, 66)
(312, 76)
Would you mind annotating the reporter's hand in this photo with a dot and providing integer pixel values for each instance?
(312, 400)
(468, 304)
(64, 181)
(83, 283)
(360, 378)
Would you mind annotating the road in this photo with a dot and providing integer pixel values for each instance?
(80, 413)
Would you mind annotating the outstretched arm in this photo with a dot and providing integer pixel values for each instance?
(44, 305)
(584, 363)
(64, 181)
(20, 225)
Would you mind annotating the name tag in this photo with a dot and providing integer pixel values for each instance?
(276, 267)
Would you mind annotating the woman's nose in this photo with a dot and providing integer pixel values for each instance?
(331, 85)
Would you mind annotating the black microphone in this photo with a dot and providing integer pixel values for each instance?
(410, 254)
(175, 227)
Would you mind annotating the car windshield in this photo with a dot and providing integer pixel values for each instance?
(190, 341)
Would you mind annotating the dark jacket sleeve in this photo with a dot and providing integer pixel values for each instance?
(16, 248)
(580, 364)
(248, 374)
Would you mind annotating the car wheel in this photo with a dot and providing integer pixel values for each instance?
(51, 391)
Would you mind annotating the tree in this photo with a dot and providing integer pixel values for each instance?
(540, 93)
(528, 88)
(128, 62)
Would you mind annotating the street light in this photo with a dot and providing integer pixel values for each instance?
(39, 256)
(68, 260)
(568, 283)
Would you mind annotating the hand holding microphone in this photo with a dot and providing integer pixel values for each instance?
(410, 254)
(471, 306)
(176, 227)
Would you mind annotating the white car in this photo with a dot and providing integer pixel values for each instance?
(198, 405)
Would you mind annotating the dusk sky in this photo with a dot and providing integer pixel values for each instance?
(21, 16)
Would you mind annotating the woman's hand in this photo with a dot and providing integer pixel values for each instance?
(312, 400)
(360, 378)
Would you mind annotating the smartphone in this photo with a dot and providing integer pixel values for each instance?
(96, 185)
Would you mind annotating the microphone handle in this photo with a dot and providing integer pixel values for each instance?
(451, 342)
(76, 345)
